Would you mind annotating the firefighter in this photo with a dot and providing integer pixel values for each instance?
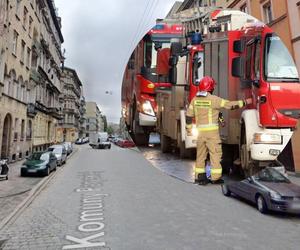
(205, 108)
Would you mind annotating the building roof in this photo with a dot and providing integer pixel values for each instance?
(74, 73)
(174, 9)
(187, 4)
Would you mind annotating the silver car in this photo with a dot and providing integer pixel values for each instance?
(60, 153)
(68, 147)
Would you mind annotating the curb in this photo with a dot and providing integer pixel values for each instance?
(35, 191)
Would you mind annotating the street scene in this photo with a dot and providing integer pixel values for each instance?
(149, 125)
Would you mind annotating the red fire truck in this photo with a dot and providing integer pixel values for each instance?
(247, 59)
(142, 77)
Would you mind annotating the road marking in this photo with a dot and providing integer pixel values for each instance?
(91, 217)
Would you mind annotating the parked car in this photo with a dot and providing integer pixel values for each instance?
(39, 163)
(60, 153)
(68, 147)
(269, 190)
(79, 141)
(125, 143)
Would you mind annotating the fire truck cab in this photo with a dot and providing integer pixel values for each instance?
(142, 76)
(248, 60)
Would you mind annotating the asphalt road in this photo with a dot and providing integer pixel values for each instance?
(115, 199)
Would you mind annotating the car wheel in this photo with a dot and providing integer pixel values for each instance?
(225, 190)
(109, 147)
(261, 204)
(47, 171)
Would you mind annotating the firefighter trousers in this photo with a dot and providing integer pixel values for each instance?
(209, 142)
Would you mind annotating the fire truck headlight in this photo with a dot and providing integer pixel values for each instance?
(267, 138)
(147, 108)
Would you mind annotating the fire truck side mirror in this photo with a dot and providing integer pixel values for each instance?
(238, 46)
(237, 67)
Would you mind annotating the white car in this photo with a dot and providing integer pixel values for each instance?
(60, 153)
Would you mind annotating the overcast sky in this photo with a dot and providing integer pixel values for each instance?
(99, 38)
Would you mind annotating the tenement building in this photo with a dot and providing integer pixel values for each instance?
(30, 93)
(94, 122)
(72, 108)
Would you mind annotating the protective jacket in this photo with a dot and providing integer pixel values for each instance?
(205, 108)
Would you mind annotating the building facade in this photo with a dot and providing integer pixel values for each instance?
(93, 118)
(72, 92)
(30, 72)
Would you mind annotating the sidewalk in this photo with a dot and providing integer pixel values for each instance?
(15, 189)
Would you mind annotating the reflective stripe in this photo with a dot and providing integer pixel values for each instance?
(210, 127)
(210, 118)
(223, 102)
(189, 126)
(207, 125)
(199, 170)
(203, 103)
(241, 104)
(216, 170)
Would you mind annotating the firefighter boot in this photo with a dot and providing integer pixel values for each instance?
(202, 179)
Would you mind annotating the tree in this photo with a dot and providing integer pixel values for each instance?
(110, 130)
(104, 123)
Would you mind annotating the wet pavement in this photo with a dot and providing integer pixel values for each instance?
(183, 169)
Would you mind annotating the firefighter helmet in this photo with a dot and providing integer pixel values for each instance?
(207, 83)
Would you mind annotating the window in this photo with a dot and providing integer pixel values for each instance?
(197, 68)
(23, 51)
(28, 57)
(34, 58)
(17, 6)
(22, 130)
(267, 11)
(30, 25)
(25, 14)
(278, 63)
(257, 61)
(15, 43)
(16, 129)
(244, 8)
(29, 130)
(248, 62)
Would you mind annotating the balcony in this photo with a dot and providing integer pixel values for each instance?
(56, 113)
(31, 110)
(35, 75)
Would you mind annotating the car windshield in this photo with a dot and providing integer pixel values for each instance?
(35, 156)
(279, 65)
(44, 157)
(270, 175)
(55, 150)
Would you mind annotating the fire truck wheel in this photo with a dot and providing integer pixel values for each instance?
(165, 143)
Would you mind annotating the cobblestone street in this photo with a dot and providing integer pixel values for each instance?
(118, 197)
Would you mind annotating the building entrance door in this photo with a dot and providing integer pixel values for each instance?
(6, 136)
